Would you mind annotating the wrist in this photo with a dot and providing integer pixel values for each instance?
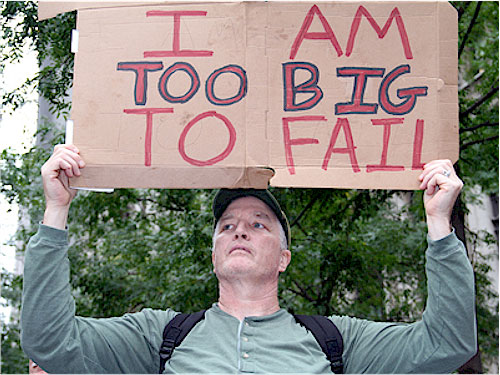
(438, 227)
(56, 216)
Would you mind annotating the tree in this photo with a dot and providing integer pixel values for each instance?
(136, 248)
(478, 70)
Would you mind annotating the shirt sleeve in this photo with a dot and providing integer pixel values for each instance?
(58, 341)
(441, 342)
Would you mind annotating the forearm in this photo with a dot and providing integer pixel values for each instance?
(438, 227)
(56, 216)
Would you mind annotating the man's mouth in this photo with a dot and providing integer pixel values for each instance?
(239, 248)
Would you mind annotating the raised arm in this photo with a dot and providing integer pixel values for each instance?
(51, 334)
(445, 338)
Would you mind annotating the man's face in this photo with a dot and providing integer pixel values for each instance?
(248, 241)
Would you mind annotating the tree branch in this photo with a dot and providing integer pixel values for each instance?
(471, 25)
(302, 292)
(461, 10)
(469, 110)
(471, 129)
(302, 229)
(305, 209)
(475, 79)
(348, 203)
(465, 145)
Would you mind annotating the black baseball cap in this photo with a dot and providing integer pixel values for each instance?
(224, 197)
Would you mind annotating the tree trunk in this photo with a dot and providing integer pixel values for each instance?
(474, 365)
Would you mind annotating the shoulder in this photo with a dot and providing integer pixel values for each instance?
(147, 324)
(152, 321)
(153, 317)
(356, 331)
(355, 326)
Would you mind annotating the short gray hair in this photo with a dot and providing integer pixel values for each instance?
(283, 240)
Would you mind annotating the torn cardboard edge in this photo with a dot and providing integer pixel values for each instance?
(189, 178)
(48, 8)
(245, 178)
(52, 8)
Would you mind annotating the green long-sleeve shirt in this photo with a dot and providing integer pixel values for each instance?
(62, 343)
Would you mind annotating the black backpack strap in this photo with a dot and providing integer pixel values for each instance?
(328, 337)
(175, 331)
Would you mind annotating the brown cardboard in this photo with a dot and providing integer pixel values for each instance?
(51, 8)
(256, 113)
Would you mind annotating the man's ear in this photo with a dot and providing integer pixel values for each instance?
(285, 257)
(213, 259)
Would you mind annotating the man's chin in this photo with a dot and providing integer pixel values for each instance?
(239, 265)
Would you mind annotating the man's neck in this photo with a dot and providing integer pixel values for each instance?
(240, 300)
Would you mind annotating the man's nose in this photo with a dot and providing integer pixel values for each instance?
(241, 231)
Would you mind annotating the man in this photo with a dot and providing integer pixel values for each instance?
(246, 331)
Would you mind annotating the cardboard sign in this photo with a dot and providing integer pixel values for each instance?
(209, 95)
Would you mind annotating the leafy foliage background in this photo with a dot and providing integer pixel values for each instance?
(355, 252)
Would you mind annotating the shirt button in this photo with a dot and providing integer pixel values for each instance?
(246, 323)
(245, 355)
(245, 339)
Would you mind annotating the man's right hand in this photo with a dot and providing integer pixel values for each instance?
(64, 163)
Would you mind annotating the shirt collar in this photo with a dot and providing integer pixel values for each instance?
(277, 316)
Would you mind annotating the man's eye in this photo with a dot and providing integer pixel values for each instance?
(258, 226)
(227, 227)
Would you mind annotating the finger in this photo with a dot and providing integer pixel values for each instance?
(55, 165)
(67, 146)
(433, 184)
(66, 168)
(447, 183)
(427, 169)
(63, 178)
(70, 159)
(443, 167)
(445, 164)
(75, 156)
(70, 150)
(64, 149)
(429, 173)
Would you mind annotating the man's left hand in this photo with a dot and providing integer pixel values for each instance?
(442, 186)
